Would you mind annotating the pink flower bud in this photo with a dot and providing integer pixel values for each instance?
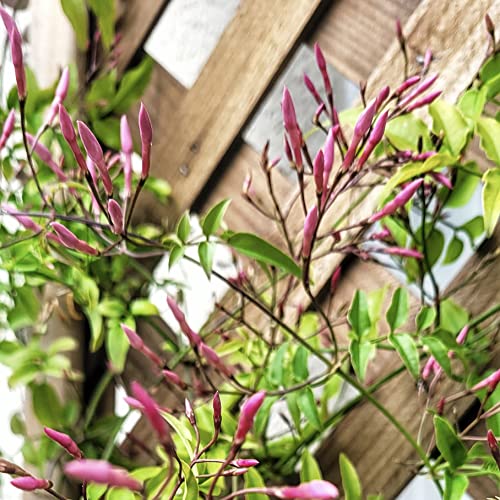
(193, 337)
(399, 33)
(424, 101)
(173, 378)
(493, 445)
(318, 171)
(329, 156)
(134, 403)
(247, 415)
(431, 367)
(312, 89)
(310, 223)
(64, 441)
(213, 359)
(116, 216)
(490, 26)
(292, 127)
(69, 240)
(382, 97)
(490, 382)
(7, 20)
(69, 134)
(403, 252)
(335, 280)
(146, 131)
(381, 235)
(30, 483)
(319, 110)
(101, 472)
(442, 179)
(245, 462)
(151, 411)
(422, 156)
(407, 84)
(44, 154)
(462, 336)
(217, 408)
(128, 149)
(24, 220)
(420, 89)
(362, 126)
(247, 185)
(321, 62)
(399, 201)
(317, 489)
(16, 51)
(374, 138)
(60, 95)
(135, 341)
(288, 150)
(427, 60)
(8, 128)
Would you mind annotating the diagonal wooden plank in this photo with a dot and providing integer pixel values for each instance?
(249, 54)
(135, 24)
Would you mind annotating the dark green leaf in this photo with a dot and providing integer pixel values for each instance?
(107, 130)
(490, 69)
(453, 251)
(309, 468)
(46, 405)
(206, 251)
(259, 249)
(448, 443)
(76, 12)
(213, 219)
(300, 368)
(359, 316)
(307, 405)
(105, 13)
(350, 479)
(439, 351)
(397, 314)
(407, 349)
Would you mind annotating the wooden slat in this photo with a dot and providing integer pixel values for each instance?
(135, 24)
(365, 432)
(355, 35)
(250, 52)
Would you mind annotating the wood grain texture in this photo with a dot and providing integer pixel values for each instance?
(207, 120)
(136, 22)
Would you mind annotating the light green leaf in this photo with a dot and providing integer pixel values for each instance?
(454, 250)
(491, 197)
(350, 479)
(159, 187)
(96, 329)
(252, 246)
(453, 316)
(307, 405)
(46, 405)
(439, 351)
(425, 318)
(111, 308)
(447, 118)
(300, 368)
(276, 368)
(184, 228)
(309, 468)
(407, 350)
(397, 314)
(105, 13)
(190, 486)
(491, 68)
(254, 480)
(206, 251)
(448, 443)
(76, 12)
(455, 486)
(489, 132)
(96, 491)
(119, 494)
(176, 254)
(117, 346)
(359, 316)
(405, 131)
(213, 219)
(361, 353)
(474, 228)
(465, 186)
(62, 344)
(472, 102)
(143, 307)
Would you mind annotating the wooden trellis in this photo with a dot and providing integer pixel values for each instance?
(198, 148)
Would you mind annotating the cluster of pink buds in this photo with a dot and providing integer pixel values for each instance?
(410, 102)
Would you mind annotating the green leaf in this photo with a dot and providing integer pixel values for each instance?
(361, 352)
(447, 118)
(252, 246)
(490, 69)
(254, 480)
(397, 314)
(454, 250)
(62, 344)
(474, 228)
(489, 132)
(46, 405)
(76, 12)
(300, 367)
(439, 351)
(107, 130)
(350, 479)
(405, 131)
(472, 102)
(159, 187)
(425, 318)
(213, 219)
(96, 329)
(309, 468)
(434, 245)
(455, 486)
(453, 316)
(448, 443)
(111, 308)
(307, 405)
(105, 13)
(176, 254)
(415, 169)
(276, 368)
(183, 228)
(206, 251)
(190, 486)
(117, 346)
(143, 307)
(407, 350)
(359, 315)
(132, 86)
(26, 308)
(465, 186)
(491, 198)
(119, 494)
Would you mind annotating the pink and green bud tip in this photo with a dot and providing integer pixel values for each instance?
(375, 137)
(493, 445)
(116, 216)
(247, 415)
(30, 483)
(318, 171)
(321, 62)
(101, 472)
(146, 132)
(489, 382)
(64, 441)
(310, 224)
(193, 337)
(60, 95)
